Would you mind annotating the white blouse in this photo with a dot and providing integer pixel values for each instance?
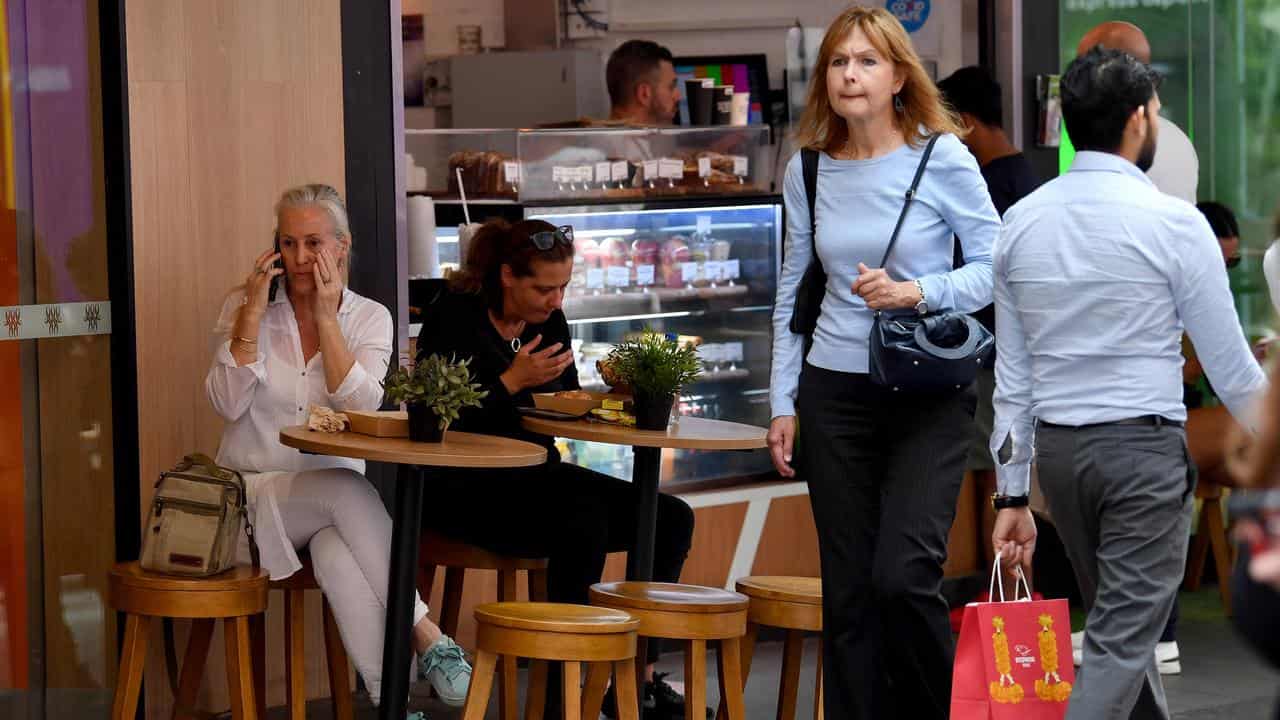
(277, 390)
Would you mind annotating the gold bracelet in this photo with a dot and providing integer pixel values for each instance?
(246, 341)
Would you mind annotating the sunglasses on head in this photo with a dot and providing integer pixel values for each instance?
(547, 239)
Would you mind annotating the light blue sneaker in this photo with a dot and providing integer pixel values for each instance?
(415, 716)
(447, 669)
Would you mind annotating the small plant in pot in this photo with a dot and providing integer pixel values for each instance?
(433, 391)
(656, 368)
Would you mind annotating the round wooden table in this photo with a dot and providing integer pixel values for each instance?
(691, 433)
(459, 450)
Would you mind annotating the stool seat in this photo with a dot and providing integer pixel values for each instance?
(444, 551)
(545, 632)
(556, 618)
(237, 592)
(802, 590)
(668, 597)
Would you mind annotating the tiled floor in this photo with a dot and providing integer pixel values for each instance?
(1221, 678)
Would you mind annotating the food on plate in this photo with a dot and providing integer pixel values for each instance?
(614, 416)
(609, 374)
(575, 395)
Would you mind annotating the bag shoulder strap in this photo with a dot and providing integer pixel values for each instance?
(809, 164)
(911, 194)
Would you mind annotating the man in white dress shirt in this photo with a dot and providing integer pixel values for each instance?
(1097, 275)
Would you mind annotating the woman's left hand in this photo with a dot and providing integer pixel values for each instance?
(328, 286)
(882, 292)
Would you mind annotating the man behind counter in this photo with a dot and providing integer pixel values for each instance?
(643, 88)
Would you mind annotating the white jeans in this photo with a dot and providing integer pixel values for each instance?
(339, 514)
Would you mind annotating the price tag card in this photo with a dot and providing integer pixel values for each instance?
(604, 172)
(650, 170)
(595, 278)
(559, 175)
(620, 171)
(618, 276)
(704, 167)
(511, 171)
(714, 270)
(689, 271)
(585, 174)
(704, 224)
(671, 168)
(732, 269)
(707, 352)
(740, 165)
(644, 275)
(733, 352)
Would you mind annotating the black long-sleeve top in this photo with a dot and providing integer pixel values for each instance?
(458, 324)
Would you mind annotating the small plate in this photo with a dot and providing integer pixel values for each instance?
(546, 414)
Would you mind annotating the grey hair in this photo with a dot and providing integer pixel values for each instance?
(321, 196)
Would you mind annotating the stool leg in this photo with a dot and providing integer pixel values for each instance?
(426, 581)
(817, 696)
(452, 604)
(508, 680)
(536, 698)
(729, 662)
(1198, 552)
(295, 623)
(133, 658)
(1221, 550)
(339, 672)
(748, 650)
(538, 585)
(239, 668)
(624, 687)
(572, 683)
(508, 688)
(597, 682)
(192, 667)
(481, 686)
(695, 679)
(789, 685)
(258, 641)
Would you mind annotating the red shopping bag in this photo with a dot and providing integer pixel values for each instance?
(1013, 659)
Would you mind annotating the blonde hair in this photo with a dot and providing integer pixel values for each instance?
(821, 128)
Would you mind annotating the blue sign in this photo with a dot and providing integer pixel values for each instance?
(911, 13)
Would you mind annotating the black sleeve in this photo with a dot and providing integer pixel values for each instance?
(569, 378)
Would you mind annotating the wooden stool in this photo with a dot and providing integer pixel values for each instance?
(693, 614)
(795, 605)
(233, 597)
(436, 550)
(1210, 533)
(295, 623)
(572, 634)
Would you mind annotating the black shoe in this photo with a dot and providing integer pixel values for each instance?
(660, 702)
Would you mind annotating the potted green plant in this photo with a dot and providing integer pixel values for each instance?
(657, 368)
(434, 390)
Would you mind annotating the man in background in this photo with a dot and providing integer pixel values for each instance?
(643, 88)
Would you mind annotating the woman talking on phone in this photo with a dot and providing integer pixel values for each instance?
(291, 337)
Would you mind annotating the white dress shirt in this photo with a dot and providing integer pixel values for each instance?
(277, 390)
(1097, 274)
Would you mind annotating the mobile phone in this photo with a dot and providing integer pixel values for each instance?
(279, 263)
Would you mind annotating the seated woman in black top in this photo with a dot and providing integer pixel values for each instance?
(503, 311)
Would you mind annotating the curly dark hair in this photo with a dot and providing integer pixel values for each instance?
(1100, 90)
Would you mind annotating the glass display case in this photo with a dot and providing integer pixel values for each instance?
(702, 265)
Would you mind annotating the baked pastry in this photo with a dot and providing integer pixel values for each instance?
(574, 395)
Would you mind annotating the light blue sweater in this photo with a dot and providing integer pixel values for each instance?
(858, 203)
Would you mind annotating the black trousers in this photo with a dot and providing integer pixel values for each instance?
(884, 472)
(568, 514)
(1257, 613)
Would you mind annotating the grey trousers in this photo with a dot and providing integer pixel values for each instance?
(1121, 497)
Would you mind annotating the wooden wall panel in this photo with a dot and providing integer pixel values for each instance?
(789, 542)
(230, 102)
(715, 538)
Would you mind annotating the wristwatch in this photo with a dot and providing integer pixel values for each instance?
(922, 307)
(1000, 502)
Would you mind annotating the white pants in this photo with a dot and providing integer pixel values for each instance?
(339, 514)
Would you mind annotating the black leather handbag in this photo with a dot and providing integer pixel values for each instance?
(935, 352)
(813, 285)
